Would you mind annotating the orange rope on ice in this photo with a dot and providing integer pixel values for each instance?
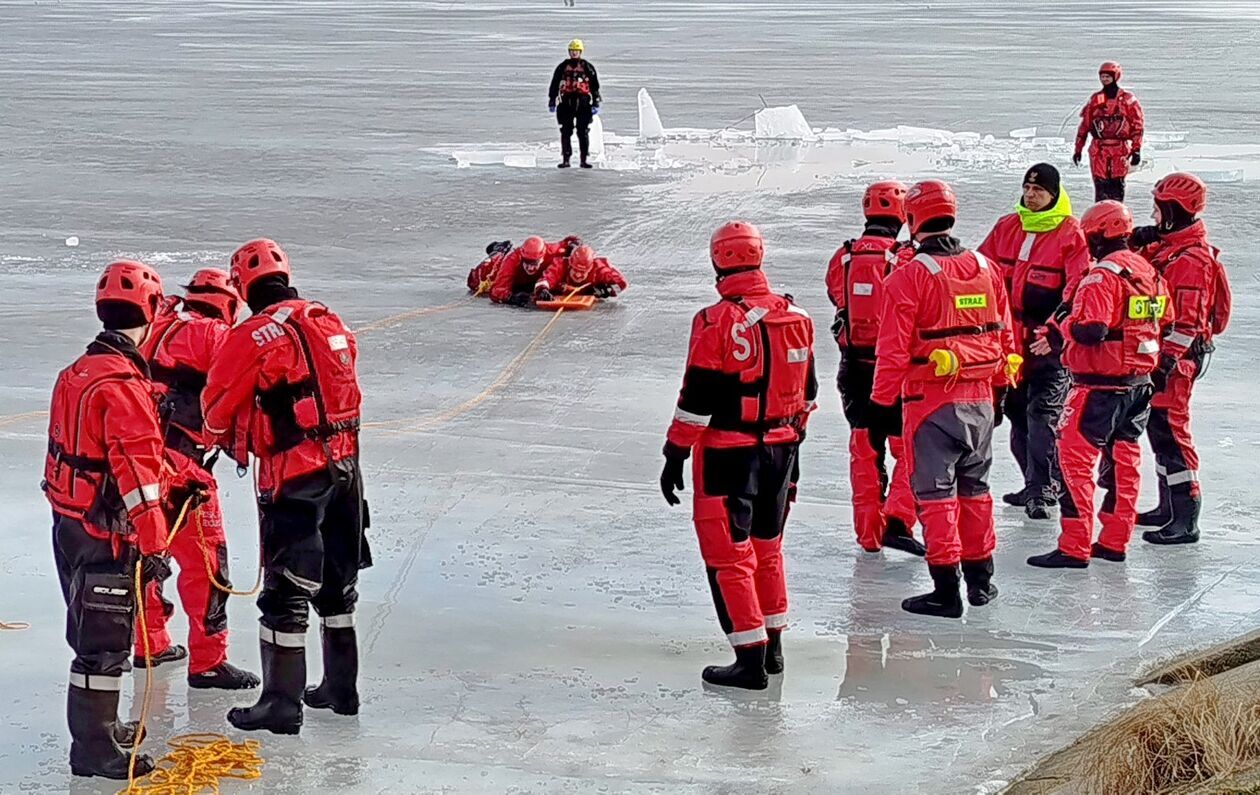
(410, 314)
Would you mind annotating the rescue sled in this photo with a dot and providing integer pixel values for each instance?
(572, 303)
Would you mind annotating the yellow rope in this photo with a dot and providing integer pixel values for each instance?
(196, 764)
(214, 580)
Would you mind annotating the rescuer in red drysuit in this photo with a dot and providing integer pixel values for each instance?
(1113, 117)
(746, 397)
(106, 479)
(520, 270)
(579, 271)
(1042, 255)
(285, 388)
(1111, 344)
(181, 345)
(481, 277)
(883, 509)
(944, 342)
(1177, 245)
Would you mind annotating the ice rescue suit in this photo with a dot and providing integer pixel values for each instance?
(104, 477)
(1042, 256)
(602, 279)
(512, 279)
(952, 299)
(574, 94)
(855, 278)
(1115, 121)
(747, 392)
(481, 277)
(1200, 292)
(1112, 339)
(180, 348)
(284, 388)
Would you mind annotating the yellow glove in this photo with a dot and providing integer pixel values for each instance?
(1013, 362)
(946, 362)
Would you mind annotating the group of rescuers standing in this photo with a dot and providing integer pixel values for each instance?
(1086, 334)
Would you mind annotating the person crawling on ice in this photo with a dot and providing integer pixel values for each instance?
(579, 272)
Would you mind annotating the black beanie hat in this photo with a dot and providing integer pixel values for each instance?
(1046, 176)
(116, 315)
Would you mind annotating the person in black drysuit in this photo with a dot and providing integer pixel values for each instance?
(574, 98)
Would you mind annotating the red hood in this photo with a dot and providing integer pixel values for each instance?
(741, 284)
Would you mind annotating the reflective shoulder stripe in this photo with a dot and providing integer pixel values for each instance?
(343, 621)
(933, 267)
(1025, 250)
(684, 416)
(980, 260)
(846, 258)
(99, 682)
(753, 316)
(797, 355)
(793, 308)
(748, 637)
(184, 316)
(148, 492)
(890, 257)
(1177, 338)
(282, 314)
(1108, 265)
(287, 640)
(1148, 346)
(1188, 476)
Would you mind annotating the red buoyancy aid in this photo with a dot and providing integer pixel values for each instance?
(1132, 344)
(963, 318)
(866, 262)
(178, 385)
(772, 346)
(321, 398)
(575, 80)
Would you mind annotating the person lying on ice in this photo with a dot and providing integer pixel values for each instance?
(518, 272)
(580, 271)
(481, 277)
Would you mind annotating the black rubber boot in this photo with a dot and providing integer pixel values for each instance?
(774, 651)
(898, 536)
(1162, 514)
(1017, 499)
(1057, 560)
(1184, 527)
(585, 164)
(93, 719)
(1102, 553)
(339, 690)
(125, 734)
(1038, 507)
(173, 653)
(978, 575)
(279, 708)
(747, 672)
(563, 163)
(224, 676)
(944, 601)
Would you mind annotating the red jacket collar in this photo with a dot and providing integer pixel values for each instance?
(1194, 233)
(747, 283)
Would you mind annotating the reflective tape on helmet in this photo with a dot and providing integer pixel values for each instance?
(343, 621)
(1177, 338)
(748, 637)
(684, 416)
(797, 355)
(287, 640)
(1025, 250)
(776, 621)
(99, 682)
(148, 492)
(1188, 476)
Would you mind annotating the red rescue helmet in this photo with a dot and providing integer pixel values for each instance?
(930, 200)
(581, 261)
(213, 288)
(256, 260)
(885, 199)
(1112, 68)
(736, 246)
(1183, 189)
(128, 291)
(1109, 220)
(533, 250)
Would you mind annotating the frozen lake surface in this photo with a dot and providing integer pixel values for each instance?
(537, 617)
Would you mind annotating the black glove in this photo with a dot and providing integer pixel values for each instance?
(1076, 159)
(154, 568)
(1135, 158)
(837, 325)
(883, 420)
(999, 405)
(606, 291)
(521, 299)
(672, 474)
(1159, 376)
(1144, 236)
(543, 294)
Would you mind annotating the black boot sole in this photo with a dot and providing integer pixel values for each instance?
(943, 611)
(200, 684)
(905, 544)
(980, 599)
(315, 702)
(144, 766)
(294, 728)
(1168, 541)
(761, 685)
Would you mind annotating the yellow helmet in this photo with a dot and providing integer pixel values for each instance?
(576, 44)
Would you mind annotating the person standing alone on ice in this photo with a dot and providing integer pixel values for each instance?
(1113, 117)
(574, 98)
(746, 397)
(855, 277)
(104, 478)
(1111, 341)
(285, 388)
(945, 351)
(1042, 255)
